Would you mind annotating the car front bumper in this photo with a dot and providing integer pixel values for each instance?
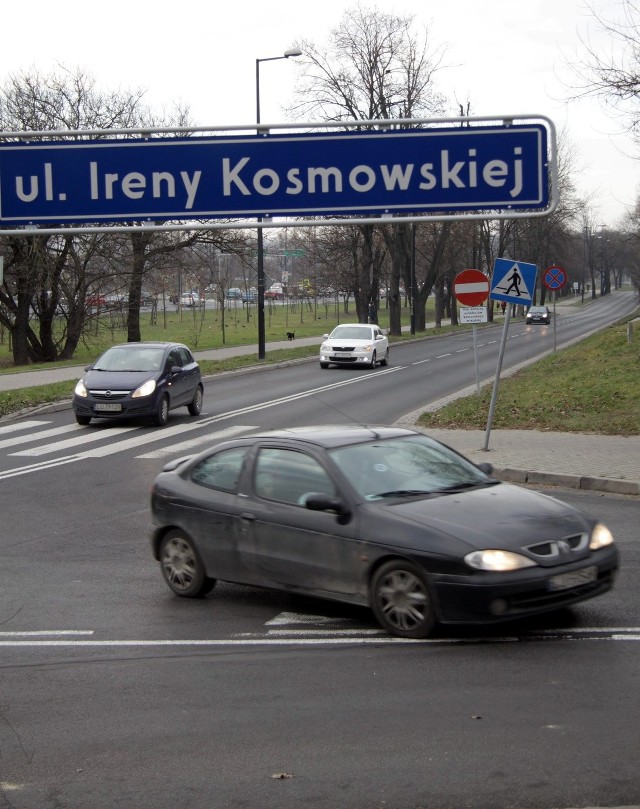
(492, 598)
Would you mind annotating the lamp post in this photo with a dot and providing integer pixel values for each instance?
(261, 331)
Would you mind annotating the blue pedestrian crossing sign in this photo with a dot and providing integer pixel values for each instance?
(513, 281)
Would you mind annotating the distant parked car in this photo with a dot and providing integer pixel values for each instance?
(250, 295)
(96, 301)
(355, 344)
(234, 293)
(190, 299)
(139, 379)
(539, 314)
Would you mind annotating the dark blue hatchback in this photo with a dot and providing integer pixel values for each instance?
(139, 380)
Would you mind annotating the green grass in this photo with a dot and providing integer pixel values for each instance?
(592, 387)
(203, 330)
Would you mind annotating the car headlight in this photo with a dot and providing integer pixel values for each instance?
(80, 389)
(325, 347)
(367, 348)
(146, 389)
(496, 560)
(601, 536)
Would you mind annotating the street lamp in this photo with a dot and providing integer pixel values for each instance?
(261, 332)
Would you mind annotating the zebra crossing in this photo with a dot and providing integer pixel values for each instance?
(69, 443)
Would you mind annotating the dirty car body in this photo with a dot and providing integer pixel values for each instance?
(377, 516)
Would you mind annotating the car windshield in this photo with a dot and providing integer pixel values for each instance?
(406, 467)
(351, 333)
(129, 358)
(538, 310)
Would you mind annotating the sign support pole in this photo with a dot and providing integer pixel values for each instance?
(475, 357)
(496, 383)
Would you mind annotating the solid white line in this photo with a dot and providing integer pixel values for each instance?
(47, 633)
(36, 467)
(305, 640)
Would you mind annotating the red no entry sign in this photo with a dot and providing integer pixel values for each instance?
(471, 287)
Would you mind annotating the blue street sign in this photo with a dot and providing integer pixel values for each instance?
(513, 281)
(328, 173)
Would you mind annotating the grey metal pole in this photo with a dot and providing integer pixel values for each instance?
(494, 395)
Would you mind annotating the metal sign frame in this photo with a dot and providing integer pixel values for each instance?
(393, 128)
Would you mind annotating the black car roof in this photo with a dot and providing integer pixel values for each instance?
(333, 435)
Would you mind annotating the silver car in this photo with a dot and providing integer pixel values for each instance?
(355, 344)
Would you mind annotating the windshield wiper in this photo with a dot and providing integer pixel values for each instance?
(460, 487)
(404, 493)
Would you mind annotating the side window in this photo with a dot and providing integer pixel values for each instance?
(220, 471)
(288, 476)
(185, 357)
(173, 359)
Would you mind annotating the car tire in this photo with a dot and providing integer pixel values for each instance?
(401, 600)
(83, 420)
(324, 364)
(372, 364)
(195, 406)
(182, 567)
(384, 362)
(161, 416)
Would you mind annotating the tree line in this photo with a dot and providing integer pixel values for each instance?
(376, 65)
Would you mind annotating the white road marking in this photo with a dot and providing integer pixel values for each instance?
(35, 467)
(86, 437)
(199, 442)
(336, 637)
(20, 425)
(27, 439)
(47, 633)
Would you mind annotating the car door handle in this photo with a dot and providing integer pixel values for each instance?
(247, 516)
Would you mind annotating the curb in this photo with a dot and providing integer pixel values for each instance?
(583, 482)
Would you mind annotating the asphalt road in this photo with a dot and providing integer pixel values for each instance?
(115, 693)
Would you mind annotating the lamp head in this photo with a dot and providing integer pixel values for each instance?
(292, 52)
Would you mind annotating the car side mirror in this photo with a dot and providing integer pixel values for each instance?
(485, 467)
(325, 336)
(323, 502)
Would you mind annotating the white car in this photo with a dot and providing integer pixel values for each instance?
(190, 299)
(355, 344)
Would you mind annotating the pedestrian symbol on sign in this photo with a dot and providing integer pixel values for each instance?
(513, 281)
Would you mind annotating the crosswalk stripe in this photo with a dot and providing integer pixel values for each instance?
(20, 425)
(199, 442)
(16, 440)
(85, 437)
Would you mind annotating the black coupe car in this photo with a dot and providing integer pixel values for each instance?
(378, 516)
(139, 379)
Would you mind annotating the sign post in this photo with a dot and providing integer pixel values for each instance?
(471, 290)
(554, 278)
(512, 282)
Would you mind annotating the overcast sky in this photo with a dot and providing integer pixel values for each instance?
(504, 56)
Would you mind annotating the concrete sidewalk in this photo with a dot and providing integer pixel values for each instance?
(592, 462)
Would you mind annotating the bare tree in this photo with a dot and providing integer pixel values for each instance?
(612, 74)
(376, 66)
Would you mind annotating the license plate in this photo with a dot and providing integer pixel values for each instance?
(342, 354)
(575, 578)
(108, 407)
